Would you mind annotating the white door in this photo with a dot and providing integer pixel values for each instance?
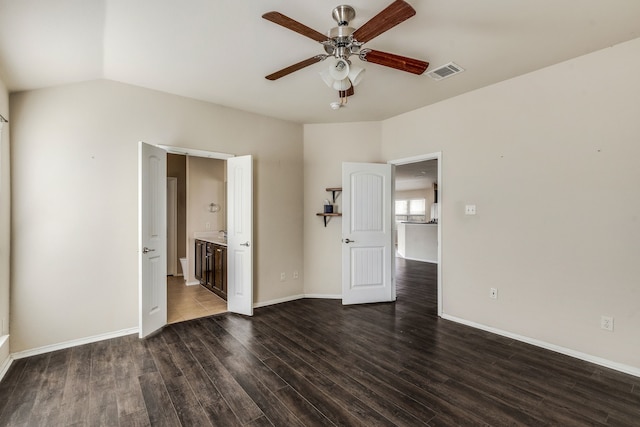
(152, 230)
(240, 235)
(367, 233)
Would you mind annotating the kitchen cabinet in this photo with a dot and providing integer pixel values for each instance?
(211, 266)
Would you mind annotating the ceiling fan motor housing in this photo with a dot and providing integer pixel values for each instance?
(343, 14)
(341, 43)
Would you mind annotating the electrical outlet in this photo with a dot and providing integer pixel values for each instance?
(208, 226)
(493, 293)
(470, 209)
(295, 274)
(283, 277)
(606, 323)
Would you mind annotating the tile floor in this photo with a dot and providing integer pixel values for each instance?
(190, 302)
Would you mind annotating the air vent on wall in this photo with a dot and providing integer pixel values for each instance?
(445, 71)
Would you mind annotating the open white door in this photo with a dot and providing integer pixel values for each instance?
(367, 233)
(240, 235)
(152, 230)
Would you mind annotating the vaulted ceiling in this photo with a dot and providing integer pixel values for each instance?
(220, 50)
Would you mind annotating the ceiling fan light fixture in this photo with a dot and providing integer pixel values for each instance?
(356, 73)
(326, 78)
(343, 84)
(339, 70)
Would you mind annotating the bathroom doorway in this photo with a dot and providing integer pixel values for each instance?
(199, 183)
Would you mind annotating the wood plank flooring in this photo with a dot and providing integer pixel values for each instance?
(316, 363)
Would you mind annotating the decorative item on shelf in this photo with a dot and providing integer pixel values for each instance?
(330, 209)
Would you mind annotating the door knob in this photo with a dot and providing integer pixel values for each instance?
(348, 241)
(245, 244)
(146, 250)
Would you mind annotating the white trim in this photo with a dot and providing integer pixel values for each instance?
(324, 296)
(296, 297)
(195, 153)
(4, 341)
(277, 301)
(193, 282)
(423, 157)
(430, 261)
(4, 368)
(627, 369)
(74, 343)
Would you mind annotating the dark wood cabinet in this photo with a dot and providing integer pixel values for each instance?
(211, 266)
(220, 270)
(201, 248)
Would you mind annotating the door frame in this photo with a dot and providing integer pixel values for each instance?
(421, 158)
(186, 152)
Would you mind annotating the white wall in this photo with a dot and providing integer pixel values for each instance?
(74, 160)
(551, 161)
(325, 148)
(5, 224)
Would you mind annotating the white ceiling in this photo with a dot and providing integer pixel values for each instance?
(220, 50)
(416, 176)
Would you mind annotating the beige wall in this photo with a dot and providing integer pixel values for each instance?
(5, 234)
(177, 168)
(325, 148)
(551, 161)
(75, 166)
(206, 185)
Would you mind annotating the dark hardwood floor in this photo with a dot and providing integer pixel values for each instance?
(315, 362)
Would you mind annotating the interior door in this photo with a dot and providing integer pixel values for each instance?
(240, 235)
(367, 233)
(152, 229)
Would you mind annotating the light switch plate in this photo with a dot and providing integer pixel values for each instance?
(470, 210)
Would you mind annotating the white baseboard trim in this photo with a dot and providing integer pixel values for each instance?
(431, 261)
(73, 343)
(324, 296)
(193, 282)
(295, 297)
(627, 369)
(5, 366)
(4, 350)
(277, 301)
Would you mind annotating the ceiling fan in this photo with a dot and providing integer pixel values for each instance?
(343, 41)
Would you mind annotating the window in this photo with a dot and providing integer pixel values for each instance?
(411, 210)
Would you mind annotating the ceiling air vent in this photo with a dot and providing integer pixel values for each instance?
(445, 71)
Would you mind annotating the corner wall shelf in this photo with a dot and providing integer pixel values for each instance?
(327, 216)
(335, 193)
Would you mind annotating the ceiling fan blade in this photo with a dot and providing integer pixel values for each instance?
(395, 13)
(295, 67)
(293, 25)
(398, 62)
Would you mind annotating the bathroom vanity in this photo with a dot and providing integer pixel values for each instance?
(211, 265)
